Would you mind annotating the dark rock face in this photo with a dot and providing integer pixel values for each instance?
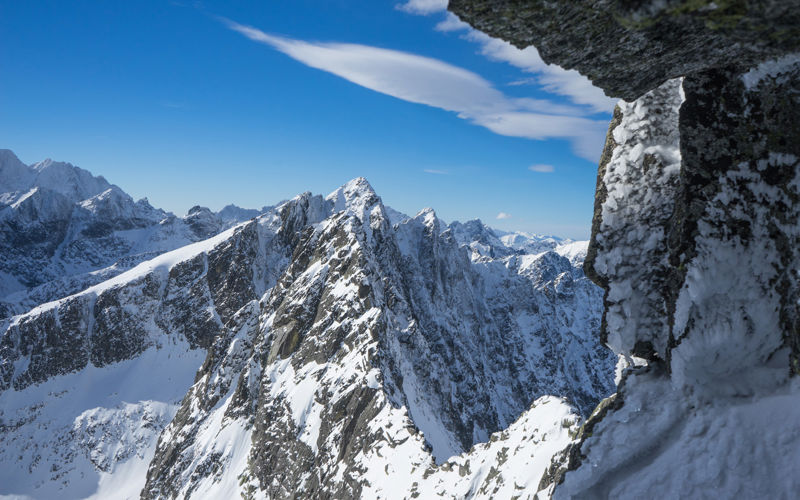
(741, 155)
(193, 300)
(369, 328)
(695, 232)
(628, 47)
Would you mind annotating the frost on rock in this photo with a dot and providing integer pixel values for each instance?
(699, 256)
(637, 186)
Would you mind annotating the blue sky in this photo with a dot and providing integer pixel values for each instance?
(253, 102)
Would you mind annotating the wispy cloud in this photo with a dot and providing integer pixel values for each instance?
(503, 215)
(541, 168)
(523, 81)
(451, 23)
(435, 83)
(423, 6)
(549, 77)
(435, 171)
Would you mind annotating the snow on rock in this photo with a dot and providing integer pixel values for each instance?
(481, 240)
(345, 355)
(529, 243)
(574, 251)
(666, 440)
(62, 230)
(631, 223)
(696, 239)
(363, 369)
(511, 463)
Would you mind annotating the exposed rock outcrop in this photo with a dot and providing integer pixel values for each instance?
(695, 237)
(337, 355)
(628, 47)
(373, 333)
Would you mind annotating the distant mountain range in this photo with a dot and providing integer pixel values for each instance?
(63, 229)
(326, 347)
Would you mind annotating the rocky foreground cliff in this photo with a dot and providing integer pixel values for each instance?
(695, 240)
(330, 348)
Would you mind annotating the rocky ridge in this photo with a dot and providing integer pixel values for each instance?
(344, 356)
(63, 229)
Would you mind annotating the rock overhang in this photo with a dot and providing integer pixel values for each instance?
(629, 47)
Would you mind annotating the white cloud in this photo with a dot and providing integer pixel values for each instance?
(523, 81)
(434, 171)
(549, 77)
(541, 168)
(451, 23)
(441, 85)
(503, 215)
(423, 7)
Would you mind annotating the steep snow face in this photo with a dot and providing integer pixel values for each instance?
(17, 179)
(480, 239)
(90, 381)
(511, 463)
(529, 243)
(493, 322)
(345, 356)
(62, 230)
(699, 253)
(93, 432)
(668, 440)
(67, 179)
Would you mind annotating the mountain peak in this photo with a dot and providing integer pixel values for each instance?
(428, 217)
(197, 209)
(14, 175)
(356, 197)
(233, 212)
(65, 178)
(6, 155)
(355, 187)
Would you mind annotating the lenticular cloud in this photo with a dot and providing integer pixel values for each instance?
(429, 81)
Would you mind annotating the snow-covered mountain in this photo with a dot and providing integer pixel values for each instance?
(488, 242)
(329, 348)
(63, 229)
